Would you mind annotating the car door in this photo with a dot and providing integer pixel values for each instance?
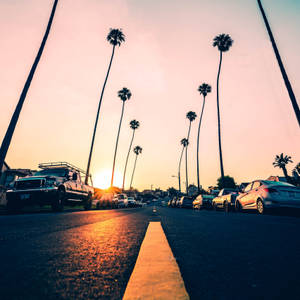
(80, 187)
(218, 199)
(252, 196)
(243, 198)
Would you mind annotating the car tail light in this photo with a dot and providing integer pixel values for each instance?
(270, 190)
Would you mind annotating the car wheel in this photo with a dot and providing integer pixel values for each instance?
(226, 206)
(214, 206)
(88, 202)
(238, 206)
(13, 206)
(58, 203)
(260, 207)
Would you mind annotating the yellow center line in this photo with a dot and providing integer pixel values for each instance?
(156, 274)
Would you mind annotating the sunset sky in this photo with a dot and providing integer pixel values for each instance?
(168, 53)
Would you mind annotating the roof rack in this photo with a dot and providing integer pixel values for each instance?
(61, 164)
(64, 164)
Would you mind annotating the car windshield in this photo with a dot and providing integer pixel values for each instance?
(270, 182)
(54, 172)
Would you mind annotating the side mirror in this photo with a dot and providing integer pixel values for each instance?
(74, 177)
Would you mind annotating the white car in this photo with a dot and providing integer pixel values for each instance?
(131, 202)
(264, 194)
(121, 200)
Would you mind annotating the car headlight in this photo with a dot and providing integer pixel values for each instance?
(50, 183)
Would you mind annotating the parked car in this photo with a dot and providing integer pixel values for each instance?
(205, 200)
(120, 200)
(106, 201)
(186, 202)
(225, 200)
(173, 203)
(262, 195)
(131, 202)
(56, 184)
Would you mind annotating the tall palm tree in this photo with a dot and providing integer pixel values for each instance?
(115, 37)
(124, 95)
(14, 120)
(184, 142)
(281, 161)
(223, 42)
(203, 89)
(137, 150)
(134, 124)
(281, 66)
(191, 116)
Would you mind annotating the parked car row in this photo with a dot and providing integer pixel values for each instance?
(182, 202)
(109, 200)
(259, 195)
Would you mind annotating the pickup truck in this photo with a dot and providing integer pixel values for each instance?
(56, 184)
(225, 200)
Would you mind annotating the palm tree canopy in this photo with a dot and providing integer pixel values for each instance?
(223, 42)
(115, 37)
(281, 160)
(124, 94)
(191, 116)
(137, 150)
(204, 89)
(184, 142)
(134, 124)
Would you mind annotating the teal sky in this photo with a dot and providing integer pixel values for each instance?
(168, 53)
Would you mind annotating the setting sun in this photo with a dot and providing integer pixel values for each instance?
(102, 179)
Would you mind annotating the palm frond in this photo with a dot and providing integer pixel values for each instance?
(223, 42)
(191, 116)
(115, 36)
(134, 124)
(204, 89)
(124, 94)
(137, 150)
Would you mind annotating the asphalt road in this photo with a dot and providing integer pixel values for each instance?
(91, 255)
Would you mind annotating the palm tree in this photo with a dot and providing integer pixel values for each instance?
(191, 116)
(281, 161)
(281, 66)
(184, 142)
(124, 95)
(203, 89)
(134, 124)
(137, 150)
(115, 37)
(14, 120)
(223, 42)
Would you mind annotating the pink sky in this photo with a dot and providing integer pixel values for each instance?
(166, 56)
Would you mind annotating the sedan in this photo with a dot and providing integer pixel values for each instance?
(262, 195)
(225, 200)
(186, 202)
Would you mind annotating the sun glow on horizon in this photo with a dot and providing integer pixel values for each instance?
(102, 179)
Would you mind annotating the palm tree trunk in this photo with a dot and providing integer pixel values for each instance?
(12, 125)
(127, 159)
(186, 161)
(281, 66)
(116, 147)
(133, 171)
(179, 183)
(285, 173)
(219, 122)
(198, 177)
(97, 117)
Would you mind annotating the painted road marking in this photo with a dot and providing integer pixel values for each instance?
(156, 274)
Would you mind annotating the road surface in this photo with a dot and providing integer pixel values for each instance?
(92, 255)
